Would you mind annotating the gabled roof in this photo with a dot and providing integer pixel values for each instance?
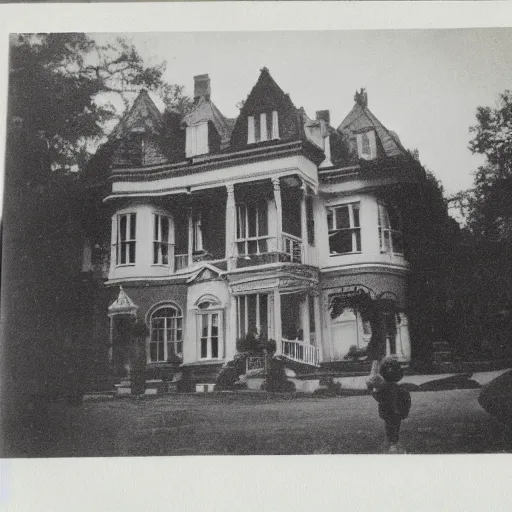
(265, 96)
(361, 119)
(205, 110)
(143, 116)
(122, 305)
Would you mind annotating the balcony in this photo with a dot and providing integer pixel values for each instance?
(292, 252)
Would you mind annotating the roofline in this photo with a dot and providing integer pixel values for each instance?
(198, 164)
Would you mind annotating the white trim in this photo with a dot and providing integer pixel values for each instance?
(263, 127)
(275, 125)
(251, 139)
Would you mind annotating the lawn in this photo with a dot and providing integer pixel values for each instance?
(224, 423)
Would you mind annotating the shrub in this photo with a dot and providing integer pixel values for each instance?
(329, 388)
(275, 379)
(355, 353)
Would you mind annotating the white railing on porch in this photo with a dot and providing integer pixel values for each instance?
(300, 351)
(292, 246)
(180, 261)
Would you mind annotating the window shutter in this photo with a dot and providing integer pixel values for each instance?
(190, 147)
(250, 130)
(263, 126)
(373, 144)
(275, 125)
(202, 139)
(359, 139)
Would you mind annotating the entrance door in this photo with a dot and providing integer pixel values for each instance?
(343, 335)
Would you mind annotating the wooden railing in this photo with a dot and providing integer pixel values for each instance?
(292, 247)
(299, 351)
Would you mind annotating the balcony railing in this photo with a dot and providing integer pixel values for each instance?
(299, 351)
(292, 247)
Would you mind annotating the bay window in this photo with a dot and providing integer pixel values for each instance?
(161, 239)
(252, 228)
(344, 229)
(390, 233)
(125, 246)
(166, 341)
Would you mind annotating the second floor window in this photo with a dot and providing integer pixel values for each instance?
(262, 127)
(126, 229)
(251, 228)
(344, 229)
(390, 230)
(161, 240)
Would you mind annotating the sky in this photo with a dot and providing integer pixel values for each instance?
(423, 84)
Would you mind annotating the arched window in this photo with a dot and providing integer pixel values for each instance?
(210, 328)
(166, 341)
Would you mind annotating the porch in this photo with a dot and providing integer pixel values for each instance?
(288, 314)
(240, 225)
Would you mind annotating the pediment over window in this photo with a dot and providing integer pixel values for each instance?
(205, 273)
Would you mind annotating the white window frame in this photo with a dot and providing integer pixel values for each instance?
(387, 231)
(354, 229)
(363, 139)
(263, 127)
(174, 322)
(242, 212)
(197, 231)
(197, 140)
(242, 325)
(212, 307)
(128, 241)
(158, 243)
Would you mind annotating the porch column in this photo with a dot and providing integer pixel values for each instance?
(231, 334)
(279, 213)
(190, 235)
(277, 321)
(318, 326)
(304, 313)
(230, 226)
(304, 225)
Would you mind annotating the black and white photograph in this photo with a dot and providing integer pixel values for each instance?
(240, 243)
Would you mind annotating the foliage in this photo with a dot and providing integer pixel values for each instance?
(275, 378)
(371, 310)
(63, 89)
(480, 302)
(328, 388)
(356, 353)
(253, 343)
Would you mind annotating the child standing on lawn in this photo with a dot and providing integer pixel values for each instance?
(394, 401)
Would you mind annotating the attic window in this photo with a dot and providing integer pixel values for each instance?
(366, 145)
(197, 140)
(262, 127)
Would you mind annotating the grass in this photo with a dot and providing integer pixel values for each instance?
(249, 423)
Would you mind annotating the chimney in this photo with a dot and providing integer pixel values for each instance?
(323, 115)
(201, 87)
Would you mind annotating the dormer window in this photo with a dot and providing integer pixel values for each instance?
(262, 127)
(366, 145)
(197, 140)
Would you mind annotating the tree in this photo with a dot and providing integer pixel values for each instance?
(67, 90)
